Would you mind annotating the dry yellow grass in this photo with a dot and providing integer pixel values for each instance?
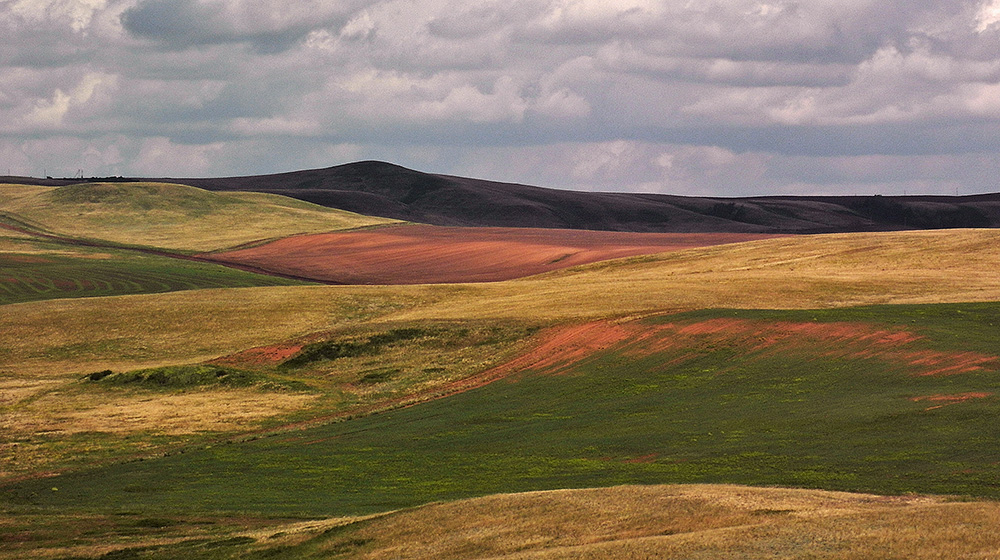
(796, 272)
(695, 521)
(171, 216)
(706, 522)
(73, 336)
(170, 414)
(58, 411)
(43, 343)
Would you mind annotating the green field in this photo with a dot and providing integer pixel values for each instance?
(76, 272)
(712, 409)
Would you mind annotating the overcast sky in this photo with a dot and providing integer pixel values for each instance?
(700, 97)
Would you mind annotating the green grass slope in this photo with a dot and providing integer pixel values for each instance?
(882, 399)
(169, 216)
(53, 271)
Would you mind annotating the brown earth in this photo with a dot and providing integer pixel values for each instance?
(261, 355)
(421, 254)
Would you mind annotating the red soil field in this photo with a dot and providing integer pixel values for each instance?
(566, 346)
(421, 254)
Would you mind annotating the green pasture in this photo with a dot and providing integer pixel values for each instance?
(35, 276)
(707, 411)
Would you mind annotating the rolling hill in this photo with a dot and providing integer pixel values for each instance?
(242, 416)
(387, 190)
(167, 215)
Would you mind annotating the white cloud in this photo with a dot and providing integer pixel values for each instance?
(50, 112)
(988, 16)
(160, 157)
(77, 14)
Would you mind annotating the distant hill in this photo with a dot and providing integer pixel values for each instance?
(167, 216)
(387, 190)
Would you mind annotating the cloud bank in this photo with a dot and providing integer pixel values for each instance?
(681, 96)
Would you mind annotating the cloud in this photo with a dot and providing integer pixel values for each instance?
(268, 25)
(693, 96)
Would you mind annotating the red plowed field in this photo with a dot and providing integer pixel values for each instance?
(418, 254)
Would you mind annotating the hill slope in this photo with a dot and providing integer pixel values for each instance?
(626, 522)
(382, 189)
(168, 216)
(887, 399)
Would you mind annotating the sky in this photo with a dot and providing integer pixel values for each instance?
(690, 97)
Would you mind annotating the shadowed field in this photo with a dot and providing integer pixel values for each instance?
(33, 270)
(429, 254)
(383, 189)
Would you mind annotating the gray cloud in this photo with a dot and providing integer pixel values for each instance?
(269, 26)
(688, 96)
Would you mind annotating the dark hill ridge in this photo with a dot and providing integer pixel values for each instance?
(383, 189)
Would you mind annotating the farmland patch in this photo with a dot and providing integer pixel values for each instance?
(419, 254)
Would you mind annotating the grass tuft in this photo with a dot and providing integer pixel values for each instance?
(179, 377)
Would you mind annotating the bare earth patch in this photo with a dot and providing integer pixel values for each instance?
(260, 355)
(945, 400)
(420, 254)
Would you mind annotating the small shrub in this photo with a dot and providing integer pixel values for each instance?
(99, 375)
(233, 541)
(378, 376)
(334, 349)
(155, 523)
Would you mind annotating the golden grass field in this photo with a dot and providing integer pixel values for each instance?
(669, 522)
(693, 521)
(798, 272)
(170, 216)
